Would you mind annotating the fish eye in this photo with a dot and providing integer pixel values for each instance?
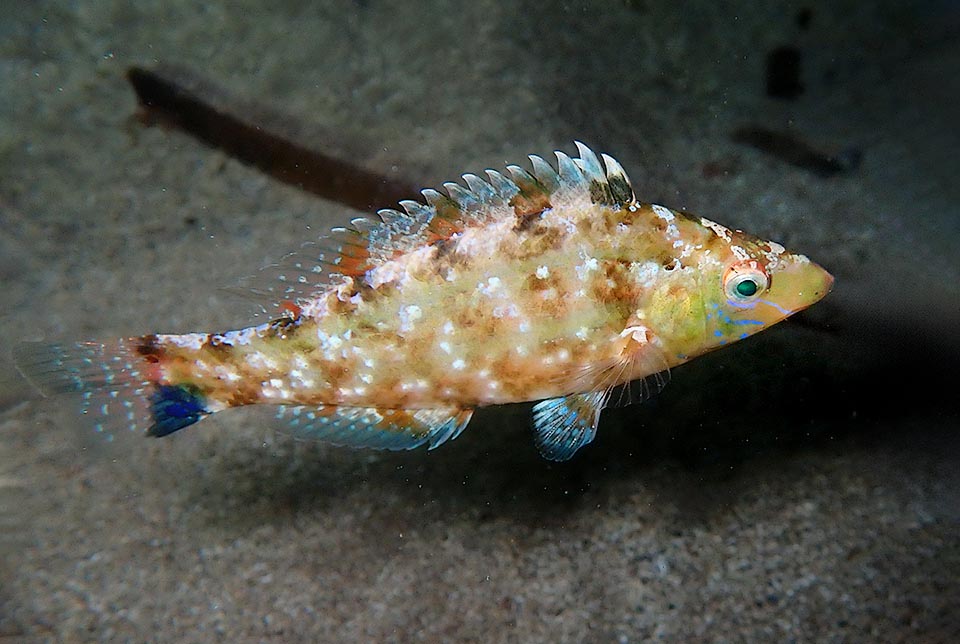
(746, 287)
(745, 280)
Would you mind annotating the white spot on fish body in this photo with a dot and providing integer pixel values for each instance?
(721, 231)
(408, 315)
(589, 264)
(644, 273)
(508, 311)
(543, 272)
(226, 373)
(384, 274)
(491, 287)
(445, 346)
(346, 292)
(447, 327)
(638, 333)
(259, 361)
(685, 249)
(485, 241)
(187, 340)
(241, 337)
(459, 364)
(328, 342)
(662, 212)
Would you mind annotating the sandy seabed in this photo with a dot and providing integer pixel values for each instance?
(800, 486)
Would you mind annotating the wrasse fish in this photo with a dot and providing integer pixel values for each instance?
(555, 285)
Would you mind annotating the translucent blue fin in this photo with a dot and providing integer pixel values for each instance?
(564, 425)
(392, 429)
(174, 407)
(114, 389)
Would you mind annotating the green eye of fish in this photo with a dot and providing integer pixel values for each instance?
(745, 280)
(747, 287)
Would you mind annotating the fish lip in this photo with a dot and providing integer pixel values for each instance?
(827, 284)
(825, 287)
(829, 281)
(819, 282)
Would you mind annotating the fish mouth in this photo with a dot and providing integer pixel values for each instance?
(798, 285)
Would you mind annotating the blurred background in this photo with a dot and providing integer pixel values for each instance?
(801, 485)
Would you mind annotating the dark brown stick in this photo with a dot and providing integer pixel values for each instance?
(180, 98)
(792, 150)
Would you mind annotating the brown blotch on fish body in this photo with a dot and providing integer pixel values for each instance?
(526, 220)
(149, 347)
(529, 204)
(535, 242)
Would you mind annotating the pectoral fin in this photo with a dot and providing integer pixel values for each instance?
(564, 425)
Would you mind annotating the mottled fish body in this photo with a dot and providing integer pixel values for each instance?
(555, 285)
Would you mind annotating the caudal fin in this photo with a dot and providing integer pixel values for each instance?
(114, 383)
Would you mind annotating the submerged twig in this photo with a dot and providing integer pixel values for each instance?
(181, 98)
(792, 150)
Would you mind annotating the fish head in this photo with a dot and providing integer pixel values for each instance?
(749, 284)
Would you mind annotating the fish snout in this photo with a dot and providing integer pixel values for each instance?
(799, 284)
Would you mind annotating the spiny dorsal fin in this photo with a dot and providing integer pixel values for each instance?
(368, 242)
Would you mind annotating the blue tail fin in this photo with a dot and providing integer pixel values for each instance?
(174, 407)
(115, 389)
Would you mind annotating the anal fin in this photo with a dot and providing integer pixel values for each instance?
(564, 425)
(389, 429)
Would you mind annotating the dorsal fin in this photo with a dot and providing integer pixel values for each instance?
(368, 242)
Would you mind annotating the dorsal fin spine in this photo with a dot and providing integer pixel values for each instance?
(352, 250)
(421, 213)
(545, 174)
(589, 163)
(465, 199)
(621, 192)
(480, 188)
(505, 188)
(570, 175)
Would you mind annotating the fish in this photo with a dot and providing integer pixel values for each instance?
(553, 285)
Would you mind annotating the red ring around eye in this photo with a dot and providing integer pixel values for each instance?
(748, 269)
